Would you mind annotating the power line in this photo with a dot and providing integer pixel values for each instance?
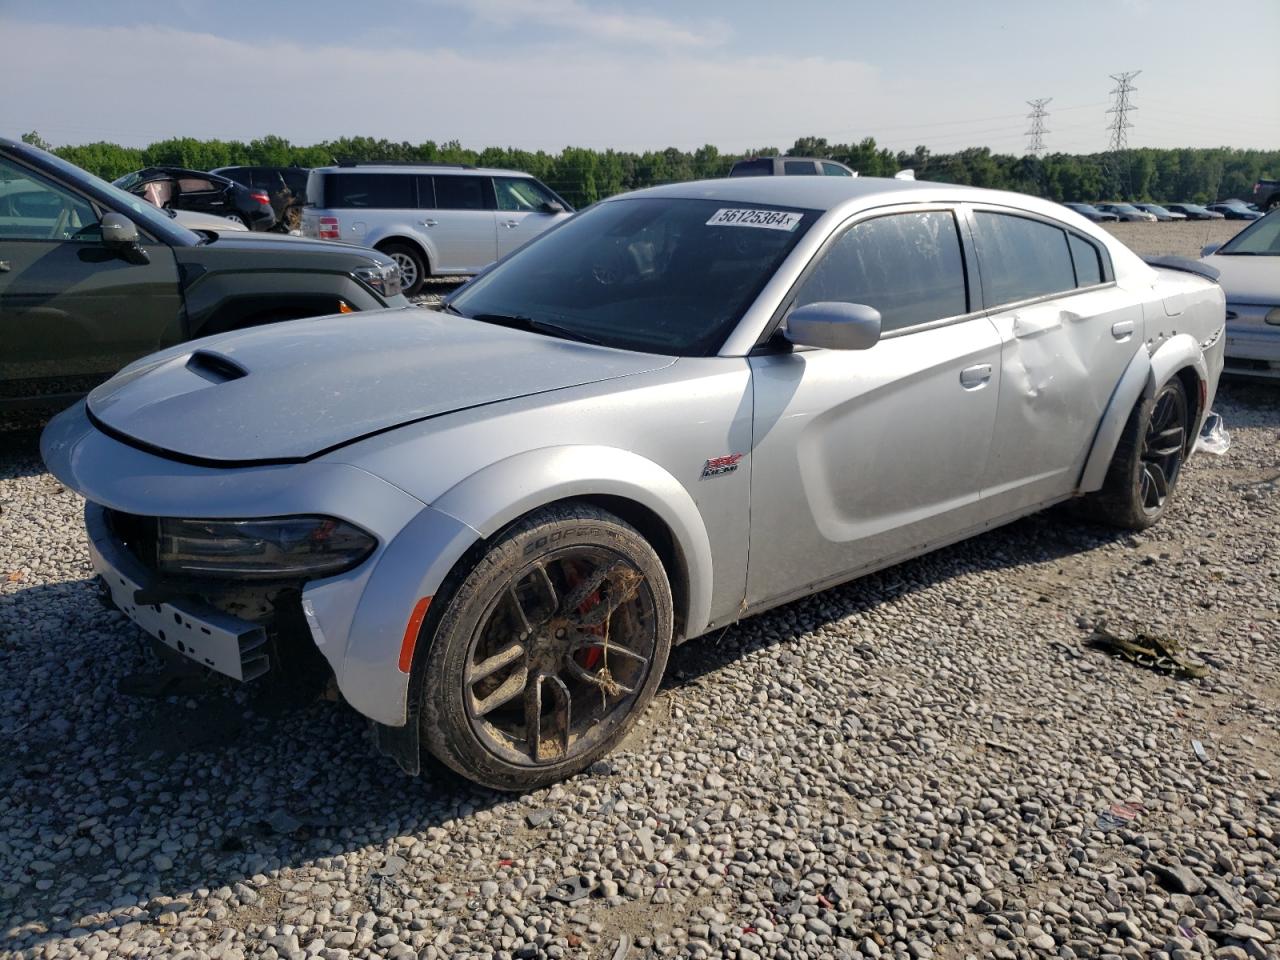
(1120, 123)
(1036, 147)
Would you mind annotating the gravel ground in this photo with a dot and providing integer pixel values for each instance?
(929, 762)
(1176, 239)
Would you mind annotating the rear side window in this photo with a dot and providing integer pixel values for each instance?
(1088, 262)
(799, 168)
(909, 266)
(752, 168)
(374, 191)
(1021, 259)
(463, 193)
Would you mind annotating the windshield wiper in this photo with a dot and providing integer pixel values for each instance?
(521, 322)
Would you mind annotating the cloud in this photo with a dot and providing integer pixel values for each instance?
(608, 25)
(140, 83)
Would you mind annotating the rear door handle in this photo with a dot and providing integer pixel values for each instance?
(511, 224)
(429, 223)
(5, 266)
(1122, 329)
(976, 376)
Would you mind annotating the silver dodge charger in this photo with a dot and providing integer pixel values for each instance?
(490, 523)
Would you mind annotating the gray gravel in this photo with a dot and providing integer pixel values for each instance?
(913, 765)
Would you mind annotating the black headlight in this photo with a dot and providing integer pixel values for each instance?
(280, 548)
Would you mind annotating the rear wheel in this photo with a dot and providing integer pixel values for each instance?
(548, 651)
(412, 264)
(1147, 462)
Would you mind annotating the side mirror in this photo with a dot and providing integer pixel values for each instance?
(552, 206)
(120, 234)
(1209, 248)
(834, 326)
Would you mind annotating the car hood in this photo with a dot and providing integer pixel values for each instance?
(265, 242)
(287, 392)
(1248, 279)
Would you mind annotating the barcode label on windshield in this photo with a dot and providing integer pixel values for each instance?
(768, 219)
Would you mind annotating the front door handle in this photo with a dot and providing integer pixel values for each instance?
(511, 224)
(971, 378)
(5, 266)
(429, 223)
(1122, 329)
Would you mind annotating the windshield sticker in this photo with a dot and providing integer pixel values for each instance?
(768, 219)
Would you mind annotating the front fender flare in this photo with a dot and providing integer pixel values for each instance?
(1146, 373)
(494, 496)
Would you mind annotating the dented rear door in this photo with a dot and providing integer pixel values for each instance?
(1067, 334)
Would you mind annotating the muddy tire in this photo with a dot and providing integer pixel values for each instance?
(548, 650)
(1147, 463)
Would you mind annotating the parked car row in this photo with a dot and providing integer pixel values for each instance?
(1113, 211)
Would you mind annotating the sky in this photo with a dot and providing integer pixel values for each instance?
(641, 74)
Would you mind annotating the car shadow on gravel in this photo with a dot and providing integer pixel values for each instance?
(19, 454)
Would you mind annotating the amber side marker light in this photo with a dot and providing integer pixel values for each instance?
(411, 630)
(344, 307)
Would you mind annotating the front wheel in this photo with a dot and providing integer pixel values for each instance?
(548, 651)
(1147, 462)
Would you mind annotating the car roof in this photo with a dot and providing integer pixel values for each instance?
(828, 193)
(421, 168)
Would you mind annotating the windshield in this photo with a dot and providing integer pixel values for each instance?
(1260, 239)
(1193, 207)
(658, 274)
(1122, 207)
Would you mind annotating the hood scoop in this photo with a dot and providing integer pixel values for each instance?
(215, 367)
(287, 392)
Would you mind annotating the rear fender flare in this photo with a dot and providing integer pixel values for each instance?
(497, 495)
(1145, 374)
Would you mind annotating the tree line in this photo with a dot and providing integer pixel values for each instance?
(583, 176)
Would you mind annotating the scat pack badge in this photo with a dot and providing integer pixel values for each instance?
(720, 466)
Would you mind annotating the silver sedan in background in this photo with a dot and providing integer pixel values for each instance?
(1249, 271)
(678, 408)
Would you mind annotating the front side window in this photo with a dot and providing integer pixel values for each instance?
(909, 266)
(799, 168)
(834, 170)
(521, 194)
(659, 274)
(373, 191)
(462, 193)
(33, 208)
(1020, 258)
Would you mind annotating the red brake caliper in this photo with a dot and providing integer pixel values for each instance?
(589, 658)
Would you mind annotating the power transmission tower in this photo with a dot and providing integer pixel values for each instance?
(1037, 131)
(1120, 122)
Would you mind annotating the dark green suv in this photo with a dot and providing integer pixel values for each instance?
(92, 278)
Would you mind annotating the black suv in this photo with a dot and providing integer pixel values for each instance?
(286, 186)
(92, 278)
(176, 188)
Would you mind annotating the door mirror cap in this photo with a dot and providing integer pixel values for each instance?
(834, 326)
(552, 206)
(1209, 249)
(118, 230)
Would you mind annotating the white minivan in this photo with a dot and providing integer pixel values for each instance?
(432, 219)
